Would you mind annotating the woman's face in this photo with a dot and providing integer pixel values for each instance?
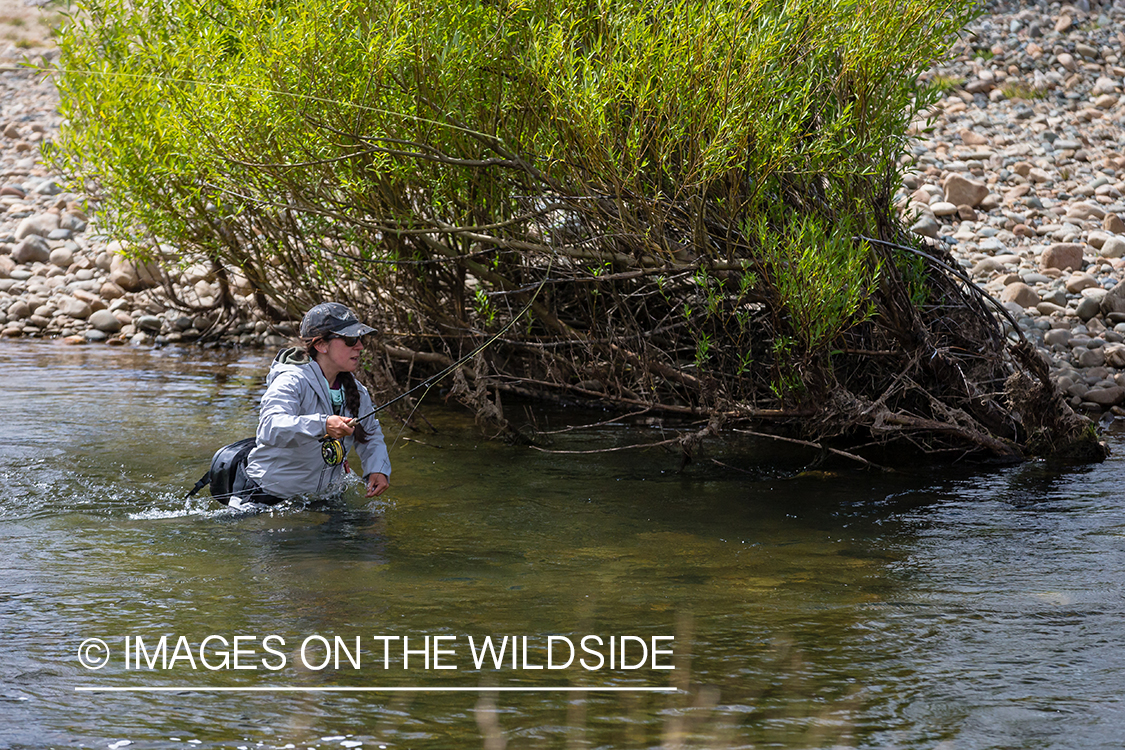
(337, 355)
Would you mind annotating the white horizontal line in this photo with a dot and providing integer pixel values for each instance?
(286, 689)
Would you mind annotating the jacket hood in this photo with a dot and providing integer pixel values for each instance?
(292, 358)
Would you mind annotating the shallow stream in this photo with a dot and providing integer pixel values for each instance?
(932, 608)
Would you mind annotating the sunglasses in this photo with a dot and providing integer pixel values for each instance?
(349, 341)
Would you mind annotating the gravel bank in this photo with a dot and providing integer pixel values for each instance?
(59, 277)
(1019, 168)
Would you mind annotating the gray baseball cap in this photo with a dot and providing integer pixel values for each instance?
(332, 318)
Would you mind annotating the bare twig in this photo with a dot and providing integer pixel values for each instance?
(818, 446)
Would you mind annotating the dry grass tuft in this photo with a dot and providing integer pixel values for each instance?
(29, 26)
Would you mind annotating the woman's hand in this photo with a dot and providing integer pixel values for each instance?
(339, 427)
(377, 484)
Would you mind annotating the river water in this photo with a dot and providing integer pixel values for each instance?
(932, 608)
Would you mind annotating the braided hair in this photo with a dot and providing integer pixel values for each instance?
(351, 391)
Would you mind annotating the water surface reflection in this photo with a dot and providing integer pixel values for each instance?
(927, 609)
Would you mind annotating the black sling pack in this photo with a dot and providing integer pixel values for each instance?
(224, 465)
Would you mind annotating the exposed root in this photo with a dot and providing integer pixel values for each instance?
(1051, 427)
(928, 368)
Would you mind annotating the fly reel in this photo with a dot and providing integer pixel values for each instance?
(332, 451)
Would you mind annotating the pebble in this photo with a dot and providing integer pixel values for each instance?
(105, 321)
(59, 277)
(1053, 167)
(1022, 173)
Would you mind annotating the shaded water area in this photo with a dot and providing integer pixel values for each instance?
(933, 608)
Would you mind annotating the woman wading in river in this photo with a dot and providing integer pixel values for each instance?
(311, 393)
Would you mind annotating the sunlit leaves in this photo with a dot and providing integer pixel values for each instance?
(314, 144)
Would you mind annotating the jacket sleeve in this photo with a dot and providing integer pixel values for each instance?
(372, 454)
(279, 423)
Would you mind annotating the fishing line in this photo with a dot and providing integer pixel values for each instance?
(223, 465)
(332, 449)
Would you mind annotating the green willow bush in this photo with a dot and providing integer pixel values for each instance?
(688, 182)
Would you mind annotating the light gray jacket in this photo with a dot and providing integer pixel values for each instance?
(286, 459)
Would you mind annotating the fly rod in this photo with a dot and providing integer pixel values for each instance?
(430, 381)
(332, 449)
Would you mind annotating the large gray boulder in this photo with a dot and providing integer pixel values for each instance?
(1114, 247)
(132, 276)
(105, 321)
(1114, 300)
(31, 249)
(75, 308)
(41, 224)
(19, 310)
